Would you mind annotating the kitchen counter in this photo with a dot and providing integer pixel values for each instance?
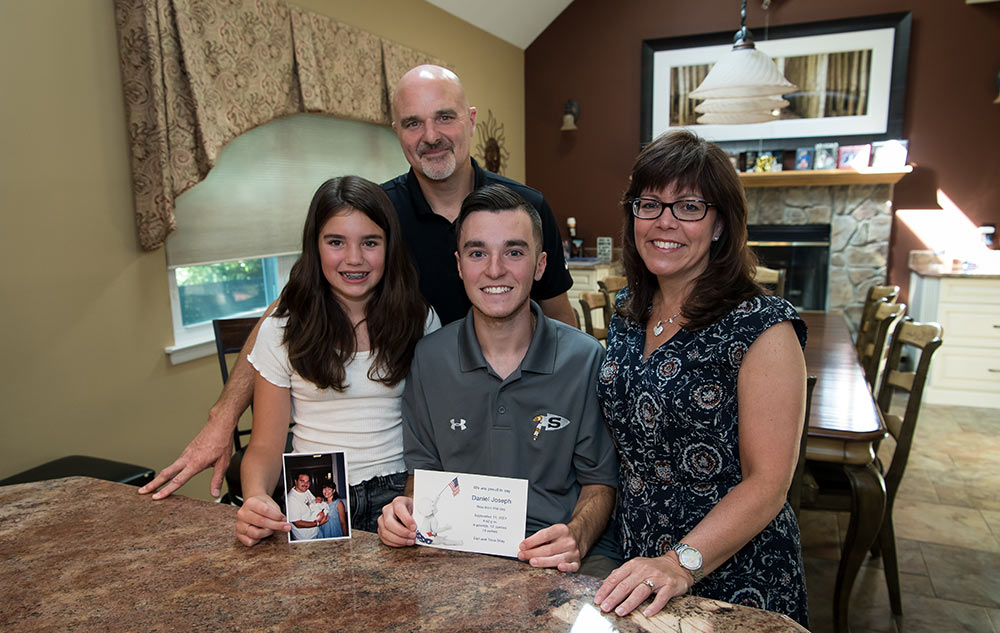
(84, 554)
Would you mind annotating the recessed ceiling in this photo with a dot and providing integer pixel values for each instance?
(516, 21)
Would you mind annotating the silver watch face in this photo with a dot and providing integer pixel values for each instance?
(690, 557)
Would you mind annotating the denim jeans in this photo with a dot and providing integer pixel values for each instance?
(368, 498)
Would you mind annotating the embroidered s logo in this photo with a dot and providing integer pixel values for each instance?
(460, 425)
(548, 422)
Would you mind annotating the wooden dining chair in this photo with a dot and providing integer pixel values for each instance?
(230, 337)
(772, 279)
(590, 301)
(795, 489)
(609, 287)
(883, 324)
(874, 295)
(831, 488)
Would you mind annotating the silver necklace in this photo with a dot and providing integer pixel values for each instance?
(658, 328)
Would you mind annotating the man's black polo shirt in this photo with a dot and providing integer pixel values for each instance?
(431, 241)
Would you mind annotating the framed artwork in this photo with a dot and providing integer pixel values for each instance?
(804, 158)
(889, 154)
(853, 156)
(851, 76)
(826, 156)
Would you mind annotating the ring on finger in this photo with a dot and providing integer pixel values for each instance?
(649, 583)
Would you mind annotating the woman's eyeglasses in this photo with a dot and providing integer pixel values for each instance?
(683, 210)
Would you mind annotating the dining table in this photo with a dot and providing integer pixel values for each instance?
(82, 554)
(844, 425)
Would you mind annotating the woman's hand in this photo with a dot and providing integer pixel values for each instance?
(625, 588)
(259, 518)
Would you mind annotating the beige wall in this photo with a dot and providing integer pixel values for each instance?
(86, 313)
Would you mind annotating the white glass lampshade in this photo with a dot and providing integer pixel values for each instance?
(742, 73)
(733, 118)
(754, 104)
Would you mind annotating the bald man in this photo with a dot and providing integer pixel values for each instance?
(434, 123)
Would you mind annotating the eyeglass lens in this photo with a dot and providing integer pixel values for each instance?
(684, 210)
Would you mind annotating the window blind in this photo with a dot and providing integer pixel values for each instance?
(254, 201)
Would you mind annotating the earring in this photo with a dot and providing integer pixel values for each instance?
(715, 238)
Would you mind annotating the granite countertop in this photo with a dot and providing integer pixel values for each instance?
(948, 270)
(84, 554)
(931, 264)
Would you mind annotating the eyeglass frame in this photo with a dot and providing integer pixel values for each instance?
(670, 205)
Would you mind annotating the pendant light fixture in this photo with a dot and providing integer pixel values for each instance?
(744, 86)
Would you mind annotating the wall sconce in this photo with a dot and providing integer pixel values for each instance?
(571, 113)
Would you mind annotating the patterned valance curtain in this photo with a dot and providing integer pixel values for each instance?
(198, 73)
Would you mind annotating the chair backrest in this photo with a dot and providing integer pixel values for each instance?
(609, 287)
(883, 324)
(590, 301)
(926, 339)
(771, 278)
(230, 336)
(795, 490)
(875, 294)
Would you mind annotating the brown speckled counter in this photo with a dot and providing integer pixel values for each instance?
(80, 554)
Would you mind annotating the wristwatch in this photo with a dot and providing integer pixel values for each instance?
(690, 559)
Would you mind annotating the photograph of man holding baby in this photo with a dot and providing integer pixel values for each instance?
(313, 502)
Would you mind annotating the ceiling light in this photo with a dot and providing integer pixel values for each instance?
(744, 74)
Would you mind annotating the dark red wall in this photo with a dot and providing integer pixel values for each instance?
(591, 53)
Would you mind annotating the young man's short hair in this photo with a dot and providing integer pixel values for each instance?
(497, 198)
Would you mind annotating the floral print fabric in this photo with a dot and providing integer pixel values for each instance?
(674, 417)
(198, 73)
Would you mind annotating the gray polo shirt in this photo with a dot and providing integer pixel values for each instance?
(543, 423)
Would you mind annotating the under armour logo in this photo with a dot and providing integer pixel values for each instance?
(458, 425)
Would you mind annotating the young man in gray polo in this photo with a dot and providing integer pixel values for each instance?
(509, 392)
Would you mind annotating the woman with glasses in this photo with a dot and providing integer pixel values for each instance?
(703, 387)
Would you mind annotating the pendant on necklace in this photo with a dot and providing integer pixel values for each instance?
(658, 328)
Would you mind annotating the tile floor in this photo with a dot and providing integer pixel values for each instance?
(947, 520)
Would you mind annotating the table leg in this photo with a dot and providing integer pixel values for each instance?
(867, 506)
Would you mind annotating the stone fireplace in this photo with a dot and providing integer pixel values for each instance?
(860, 217)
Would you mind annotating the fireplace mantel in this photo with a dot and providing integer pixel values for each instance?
(823, 177)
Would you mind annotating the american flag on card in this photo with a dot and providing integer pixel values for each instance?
(453, 484)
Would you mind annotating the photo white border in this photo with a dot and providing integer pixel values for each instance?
(346, 492)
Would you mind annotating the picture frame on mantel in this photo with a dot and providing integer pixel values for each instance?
(873, 111)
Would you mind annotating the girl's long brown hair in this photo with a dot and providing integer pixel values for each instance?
(685, 160)
(319, 335)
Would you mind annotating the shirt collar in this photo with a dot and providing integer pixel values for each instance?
(539, 359)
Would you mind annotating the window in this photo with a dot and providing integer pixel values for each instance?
(222, 290)
(240, 229)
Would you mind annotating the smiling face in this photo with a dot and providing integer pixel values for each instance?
(302, 483)
(352, 255)
(433, 121)
(498, 259)
(672, 250)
